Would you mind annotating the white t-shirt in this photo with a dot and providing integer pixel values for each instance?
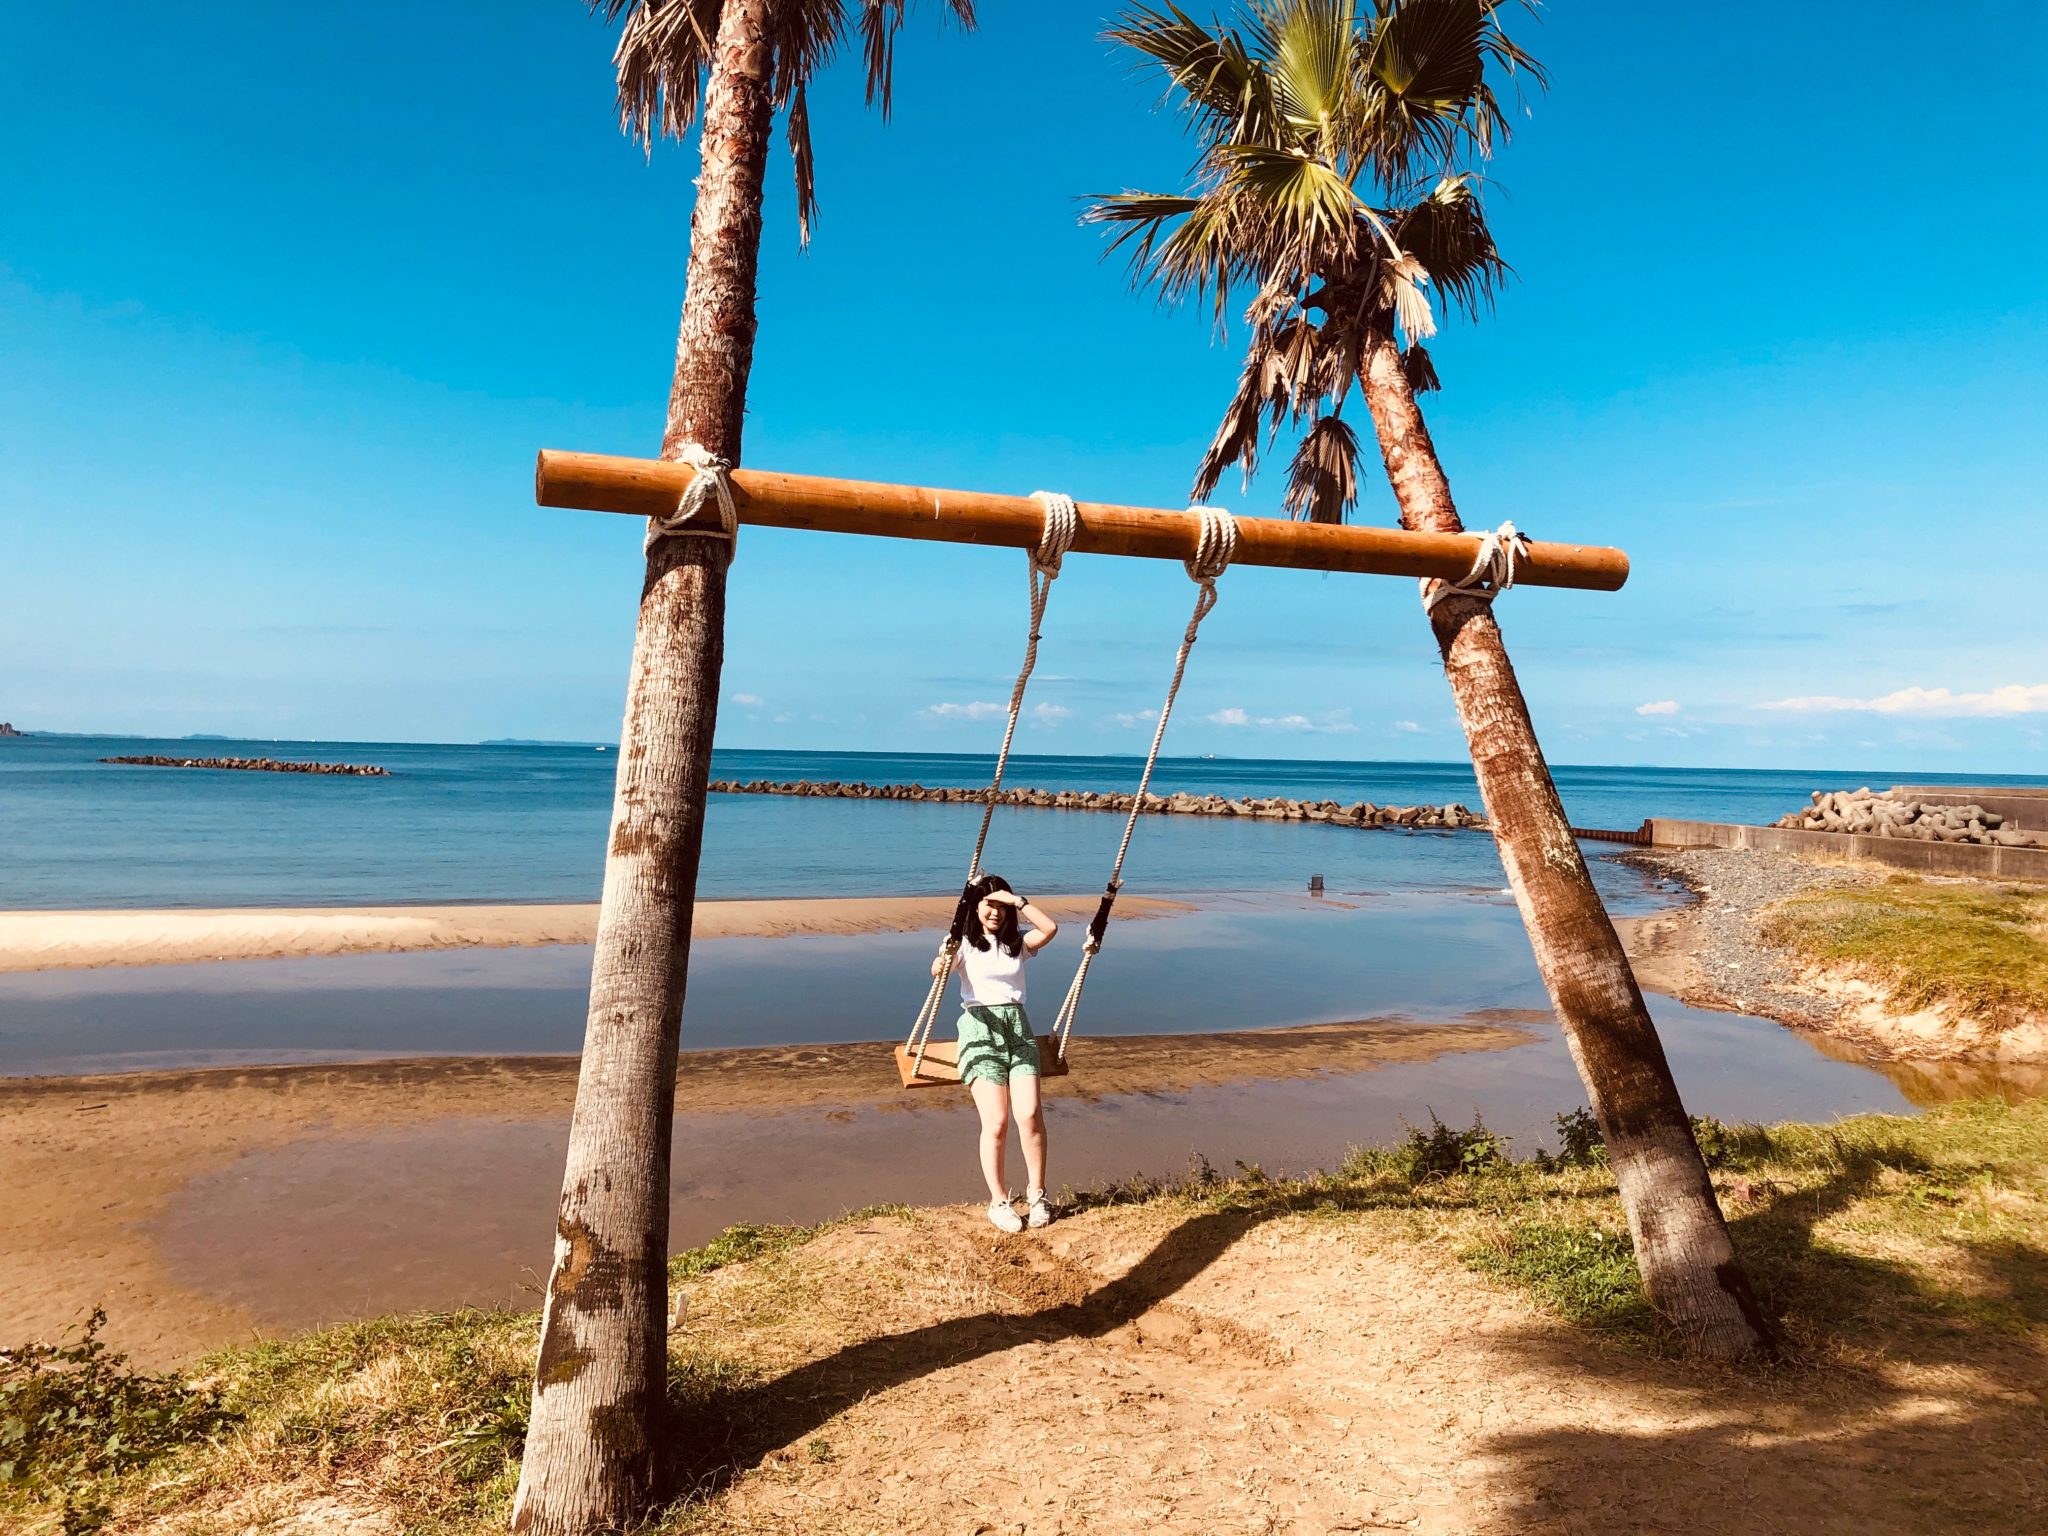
(989, 976)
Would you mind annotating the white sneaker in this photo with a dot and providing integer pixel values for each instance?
(1041, 1210)
(1005, 1216)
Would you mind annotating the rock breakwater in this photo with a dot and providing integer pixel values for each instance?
(1359, 813)
(1873, 814)
(256, 765)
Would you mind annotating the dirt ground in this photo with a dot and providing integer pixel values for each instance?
(1138, 1370)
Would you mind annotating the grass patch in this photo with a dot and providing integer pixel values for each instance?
(1981, 950)
(744, 1241)
(1582, 1271)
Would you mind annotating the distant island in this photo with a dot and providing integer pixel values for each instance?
(8, 730)
(255, 765)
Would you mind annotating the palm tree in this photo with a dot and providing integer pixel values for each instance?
(1329, 183)
(594, 1448)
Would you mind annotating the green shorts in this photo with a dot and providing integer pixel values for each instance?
(996, 1044)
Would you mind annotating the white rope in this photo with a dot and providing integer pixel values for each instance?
(712, 480)
(1492, 573)
(1215, 547)
(1062, 523)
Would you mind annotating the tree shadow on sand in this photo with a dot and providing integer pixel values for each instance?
(1910, 1406)
(715, 1441)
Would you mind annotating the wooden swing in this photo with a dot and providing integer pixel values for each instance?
(922, 1062)
(677, 495)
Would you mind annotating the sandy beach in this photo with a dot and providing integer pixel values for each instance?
(45, 941)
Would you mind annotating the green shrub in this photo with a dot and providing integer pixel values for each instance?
(74, 1411)
(1717, 1143)
(1440, 1152)
(1579, 1142)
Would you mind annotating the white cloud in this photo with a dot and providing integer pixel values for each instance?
(1334, 722)
(1658, 707)
(980, 709)
(1407, 727)
(1050, 714)
(746, 698)
(2011, 699)
(1135, 717)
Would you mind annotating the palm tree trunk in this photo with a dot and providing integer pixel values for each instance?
(594, 1452)
(1688, 1261)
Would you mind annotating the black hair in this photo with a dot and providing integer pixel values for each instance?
(967, 920)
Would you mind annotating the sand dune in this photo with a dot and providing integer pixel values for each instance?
(44, 941)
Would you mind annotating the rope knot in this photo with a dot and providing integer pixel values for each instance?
(1492, 573)
(1062, 523)
(1215, 545)
(712, 480)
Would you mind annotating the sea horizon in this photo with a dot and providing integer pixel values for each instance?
(1869, 774)
(465, 823)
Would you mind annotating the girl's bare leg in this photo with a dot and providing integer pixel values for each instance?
(993, 1100)
(1030, 1125)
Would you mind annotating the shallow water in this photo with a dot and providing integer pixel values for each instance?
(334, 1227)
(1239, 962)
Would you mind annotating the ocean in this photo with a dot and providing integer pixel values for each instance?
(526, 823)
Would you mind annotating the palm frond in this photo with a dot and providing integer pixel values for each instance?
(1308, 48)
(807, 35)
(1301, 208)
(664, 49)
(803, 161)
(1226, 93)
(1419, 370)
(1186, 246)
(1447, 233)
(880, 21)
(1322, 478)
(1426, 63)
(1237, 438)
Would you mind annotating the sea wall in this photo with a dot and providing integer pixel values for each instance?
(1360, 813)
(256, 765)
(1978, 860)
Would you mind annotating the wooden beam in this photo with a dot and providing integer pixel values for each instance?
(600, 482)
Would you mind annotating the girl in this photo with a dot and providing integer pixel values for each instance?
(998, 1053)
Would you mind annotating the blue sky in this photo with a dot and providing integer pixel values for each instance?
(289, 297)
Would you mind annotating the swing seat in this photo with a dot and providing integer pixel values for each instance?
(941, 1069)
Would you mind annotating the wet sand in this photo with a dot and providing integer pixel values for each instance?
(43, 941)
(202, 1206)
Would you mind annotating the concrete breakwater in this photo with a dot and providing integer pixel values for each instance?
(1872, 814)
(256, 765)
(1360, 813)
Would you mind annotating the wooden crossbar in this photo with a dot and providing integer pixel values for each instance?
(598, 482)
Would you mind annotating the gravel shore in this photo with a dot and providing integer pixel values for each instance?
(1709, 953)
